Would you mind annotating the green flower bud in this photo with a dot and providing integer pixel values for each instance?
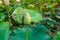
(27, 18)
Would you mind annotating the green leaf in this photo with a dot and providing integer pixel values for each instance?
(58, 35)
(19, 13)
(34, 15)
(4, 31)
(34, 33)
(2, 17)
(17, 5)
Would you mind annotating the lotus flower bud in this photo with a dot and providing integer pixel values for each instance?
(6, 2)
(27, 18)
(17, 0)
(0, 2)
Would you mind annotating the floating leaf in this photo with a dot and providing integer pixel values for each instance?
(34, 33)
(19, 13)
(4, 31)
(58, 35)
(2, 17)
(53, 5)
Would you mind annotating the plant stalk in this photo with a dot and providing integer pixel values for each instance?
(26, 32)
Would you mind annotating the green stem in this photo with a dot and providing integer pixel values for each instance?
(9, 20)
(26, 32)
(7, 10)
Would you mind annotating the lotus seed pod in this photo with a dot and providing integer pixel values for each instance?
(27, 18)
(18, 15)
(6, 2)
(0, 2)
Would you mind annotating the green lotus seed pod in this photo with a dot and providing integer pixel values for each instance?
(27, 18)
